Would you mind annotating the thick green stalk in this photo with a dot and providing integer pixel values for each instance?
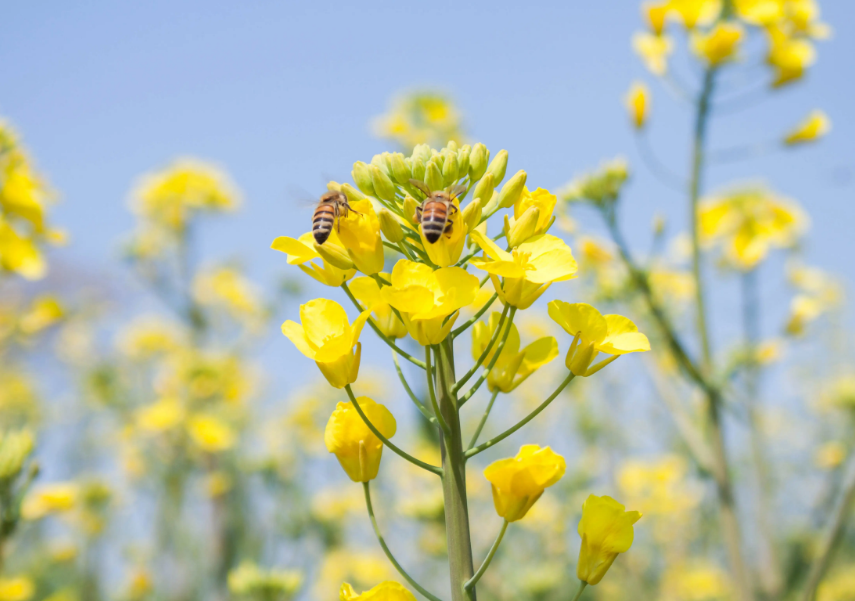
(724, 486)
(454, 479)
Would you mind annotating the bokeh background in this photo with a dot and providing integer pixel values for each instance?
(282, 96)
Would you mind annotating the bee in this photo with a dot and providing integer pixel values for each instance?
(434, 214)
(331, 206)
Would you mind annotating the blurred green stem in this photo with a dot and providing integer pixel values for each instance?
(487, 560)
(580, 590)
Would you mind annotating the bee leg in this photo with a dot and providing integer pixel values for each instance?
(419, 214)
(449, 228)
(452, 209)
(347, 208)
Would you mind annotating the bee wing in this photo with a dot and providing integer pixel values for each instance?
(458, 191)
(421, 186)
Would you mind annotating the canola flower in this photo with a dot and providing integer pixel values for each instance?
(385, 591)
(637, 103)
(518, 482)
(356, 447)
(814, 127)
(606, 529)
(419, 118)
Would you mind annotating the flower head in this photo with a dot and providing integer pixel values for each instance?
(303, 252)
(532, 216)
(326, 336)
(637, 103)
(447, 249)
(518, 482)
(356, 447)
(719, 45)
(359, 232)
(385, 591)
(528, 270)
(429, 300)
(513, 366)
(653, 50)
(812, 128)
(606, 530)
(367, 291)
(595, 333)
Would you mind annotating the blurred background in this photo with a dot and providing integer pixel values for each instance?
(280, 98)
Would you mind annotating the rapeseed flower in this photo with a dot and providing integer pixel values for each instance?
(17, 588)
(385, 591)
(518, 482)
(210, 433)
(653, 51)
(532, 216)
(638, 104)
(326, 336)
(304, 253)
(50, 499)
(420, 117)
(356, 447)
(367, 291)
(606, 530)
(595, 333)
(815, 126)
(359, 233)
(719, 45)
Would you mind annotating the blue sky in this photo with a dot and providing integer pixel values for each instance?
(282, 93)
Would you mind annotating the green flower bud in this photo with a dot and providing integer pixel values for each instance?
(422, 152)
(498, 166)
(433, 176)
(381, 161)
(463, 161)
(390, 226)
(512, 190)
(472, 214)
(362, 178)
(523, 228)
(451, 146)
(478, 157)
(484, 189)
(15, 447)
(492, 205)
(352, 193)
(410, 205)
(449, 169)
(417, 166)
(334, 255)
(333, 186)
(383, 186)
(400, 171)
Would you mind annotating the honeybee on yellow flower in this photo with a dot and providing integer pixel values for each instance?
(332, 205)
(434, 214)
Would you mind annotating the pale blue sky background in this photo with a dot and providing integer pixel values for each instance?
(282, 93)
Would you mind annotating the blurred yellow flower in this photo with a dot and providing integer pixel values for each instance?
(595, 333)
(164, 414)
(606, 530)
(656, 13)
(513, 366)
(355, 446)
(638, 103)
(362, 567)
(653, 51)
(528, 270)
(420, 117)
(518, 482)
(20, 254)
(788, 55)
(18, 588)
(839, 586)
(250, 581)
(210, 433)
(303, 253)
(695, 582)
(658, 487)
(426, 298)
(326, 336)
(695, 12)
(228, 288)
(719, 45)
(830, 455)
(815, 126)
(50, 499)
(149, 336)
(385, 591)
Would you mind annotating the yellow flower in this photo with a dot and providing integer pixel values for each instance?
(229, 288)
(837, 587)
(653, 50)
(748, 223)
(528, 270)
(20, 254)
(532, 216)
(43, 312)
(789, 55)
(385, 591)
(367, 291)
(513, 366)
(637, 103)
(699, 582)
(420, 117)
(518, 482)
(360, 235)
(23, 194)
(656, 12)
(169, 197)
(812, 128)
(830, 455)
(594, 334)
(606, 530)
(719, 45)
(211, 434)
(355, 446)
(759, 12)
(50, 499)
(162, 415)
(19, 588)
(302, 252)
(695, 12)
(447, 250)
(327, 337)
(426, 298)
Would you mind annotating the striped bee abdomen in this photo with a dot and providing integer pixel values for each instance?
(322, 222)
(434, 220)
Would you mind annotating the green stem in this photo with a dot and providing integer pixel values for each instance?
(366, 487)
(425, 466)
(454, 480)
(580, 590)
(432, 392)
(474, 580)
(486, 445)
(495, 358)
(377, 331)
(483, 421)
(410, 392)
(468, 323)
(487, 349)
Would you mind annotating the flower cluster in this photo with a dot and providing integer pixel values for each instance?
(420, 118)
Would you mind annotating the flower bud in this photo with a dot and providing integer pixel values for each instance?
(390, 226)
(383, 186)
(422, 152)
(400, 171)
(335, 255)
(15, 447)
(417, 167)
(463, 160)
(579, 359)
(452, 146)
(410, 205)
(472, 214)
(498, 166)
(512, 190)
(478, 157)
(381, 161)
(484, 189)
(433, 175)
(352, 193)
(523, 228)
(333, 186)
(362, 178)
(449, 169)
